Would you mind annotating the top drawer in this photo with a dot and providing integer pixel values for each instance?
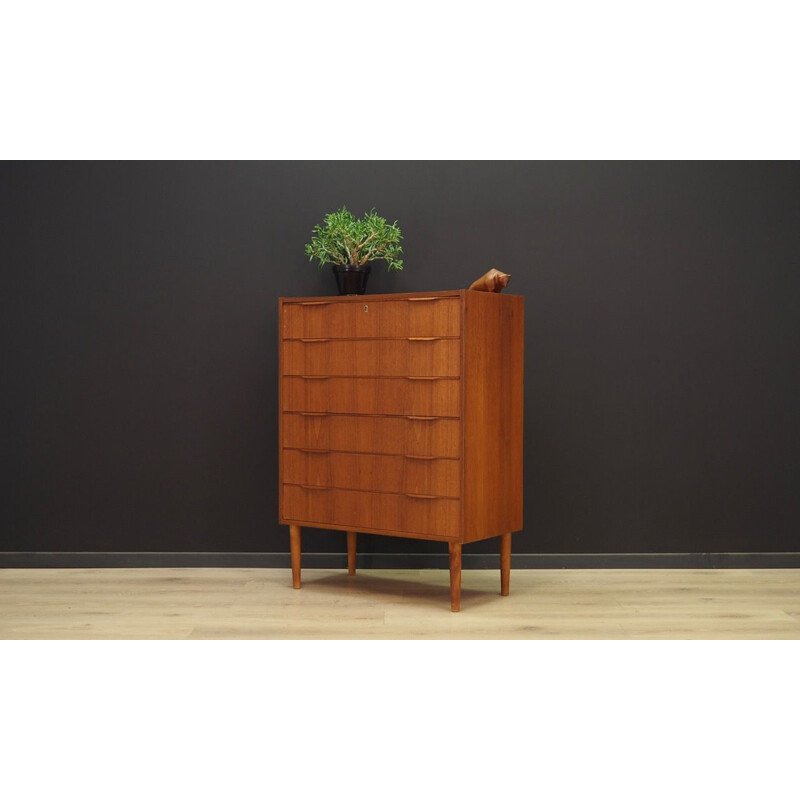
(333, 319)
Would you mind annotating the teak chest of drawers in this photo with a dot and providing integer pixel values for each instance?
(401, 415)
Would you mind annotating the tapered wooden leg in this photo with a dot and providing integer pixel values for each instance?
(351, 552)
(455, 575)
(505, 563)
(294, 540)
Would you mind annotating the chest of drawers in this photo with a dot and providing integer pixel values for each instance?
(401, 415)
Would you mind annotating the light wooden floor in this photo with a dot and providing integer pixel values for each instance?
(398, 604)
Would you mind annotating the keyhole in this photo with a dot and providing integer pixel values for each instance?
(366, 308)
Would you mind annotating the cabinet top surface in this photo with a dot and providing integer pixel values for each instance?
(360, 298)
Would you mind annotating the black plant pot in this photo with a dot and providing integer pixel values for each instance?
(351, 280)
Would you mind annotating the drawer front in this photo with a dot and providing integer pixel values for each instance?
(437, 397)
(392, 435)
(422, 355)
(372, 472)
(426, 316)
(390, 512)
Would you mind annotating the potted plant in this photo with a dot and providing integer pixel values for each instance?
(349, 244)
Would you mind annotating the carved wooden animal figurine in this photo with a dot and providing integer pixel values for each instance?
(492, 281)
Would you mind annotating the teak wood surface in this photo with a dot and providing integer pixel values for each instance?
(404, 436)
(373, 472)
(415, 355)
(402, 415)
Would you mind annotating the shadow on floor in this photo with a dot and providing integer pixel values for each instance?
(421, 590)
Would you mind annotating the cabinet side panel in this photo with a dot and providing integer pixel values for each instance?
(493, 374)
(280, 410)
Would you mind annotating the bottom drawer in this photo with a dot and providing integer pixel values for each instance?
(438, 516)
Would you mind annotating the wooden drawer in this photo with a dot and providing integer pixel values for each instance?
(372, 472)
(431, 436)
(434, 397)
(399, 513)
(422, 355)
(421, 316)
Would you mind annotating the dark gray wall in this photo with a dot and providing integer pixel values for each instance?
(662, 344)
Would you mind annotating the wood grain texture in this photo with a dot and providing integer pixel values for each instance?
(376, 391)
(375, 473)
(455, 575)
(295, 534)
(491, 281)
(281, 415)
(437, 397)
(398, 604)
(391, 513)
(421, 355)
(420, 436)
(505, 564)
(492, 414)
(384, 316)
(352, 538)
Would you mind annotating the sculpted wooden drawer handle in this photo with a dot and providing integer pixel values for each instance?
(422, 338)
(314, 377)
(315, 488)
(424, 419)
(421, 378)
(315, 303)
(423, 299)
(423, 458)
(307, 341)
(311, 450)
(422, 496)
(313, 413)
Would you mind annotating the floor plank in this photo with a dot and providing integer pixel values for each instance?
(228, 603)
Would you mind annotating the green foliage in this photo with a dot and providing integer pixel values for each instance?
(354, 242)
